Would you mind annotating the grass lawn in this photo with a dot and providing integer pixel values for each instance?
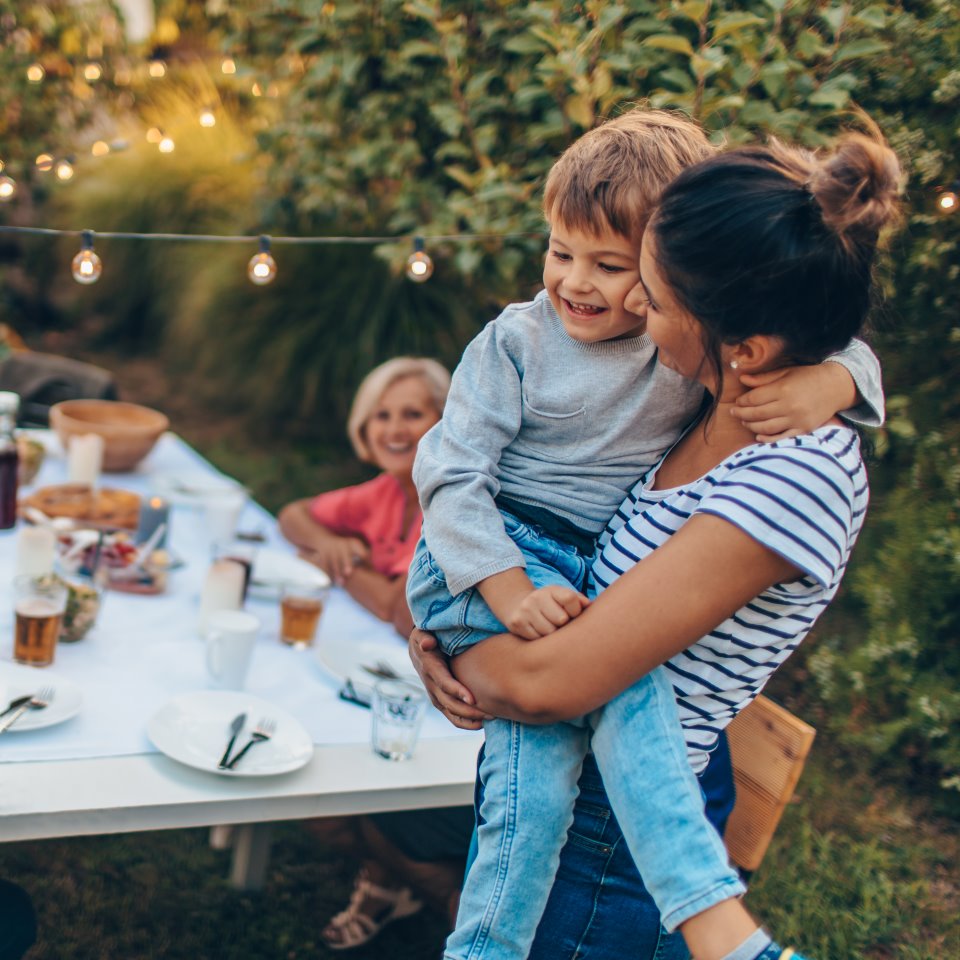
(857, 869)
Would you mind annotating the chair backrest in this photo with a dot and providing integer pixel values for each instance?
(43, 379)
(768, 748)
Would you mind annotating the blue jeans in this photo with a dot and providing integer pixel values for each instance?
(598, 901)
(530, 776)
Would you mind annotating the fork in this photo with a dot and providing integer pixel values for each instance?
(264, 730)
(39, 701)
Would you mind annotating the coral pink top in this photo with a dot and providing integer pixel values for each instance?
(372, 511)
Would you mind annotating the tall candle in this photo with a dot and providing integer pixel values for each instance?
(85, 459)
(153, 512)
(35, 551)
(222, 589)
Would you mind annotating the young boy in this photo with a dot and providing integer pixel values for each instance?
(556, 409)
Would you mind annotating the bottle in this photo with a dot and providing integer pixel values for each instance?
(9, 459)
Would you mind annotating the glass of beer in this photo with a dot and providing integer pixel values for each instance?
(39, 605)
(300, 609)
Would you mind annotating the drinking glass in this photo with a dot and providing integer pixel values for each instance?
(39, 605)
(397, 712)
(300, 608)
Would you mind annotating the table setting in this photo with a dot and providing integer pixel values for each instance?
(234, 625)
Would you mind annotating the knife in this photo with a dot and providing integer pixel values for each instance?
(235, 727)
(14, 704)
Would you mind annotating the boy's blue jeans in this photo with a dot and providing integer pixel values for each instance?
(530, 777)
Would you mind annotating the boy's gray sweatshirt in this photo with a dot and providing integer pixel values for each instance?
(555, 423)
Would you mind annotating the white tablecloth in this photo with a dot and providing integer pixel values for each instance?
(145, 649)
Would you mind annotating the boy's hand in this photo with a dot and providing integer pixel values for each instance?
(793, 400)
(544, 610)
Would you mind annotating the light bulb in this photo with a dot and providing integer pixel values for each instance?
(207, 119)
(262, 268)
(92, 72)
(8, 188)
(100, 149)
(228, 65)
(154, 135)
(44, 162)
(35, 73)
(86, 265)
(419, 264)
(64, 170)
(948, 202)
(166, 145)
(256, 90)
(157, 69)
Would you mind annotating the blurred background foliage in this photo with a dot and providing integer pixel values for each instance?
(406, 118)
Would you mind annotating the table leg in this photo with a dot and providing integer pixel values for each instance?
(251, 855)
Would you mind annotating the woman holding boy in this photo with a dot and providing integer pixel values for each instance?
(786, 244)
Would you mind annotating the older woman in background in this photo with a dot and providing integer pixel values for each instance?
(364, 537)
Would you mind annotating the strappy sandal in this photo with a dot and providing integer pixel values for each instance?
(370, 909)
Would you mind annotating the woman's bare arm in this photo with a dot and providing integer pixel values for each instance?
(680, 592)
(336, 555)
(385, 597)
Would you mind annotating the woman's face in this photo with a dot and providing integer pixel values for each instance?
(405, 412)
(676, 332)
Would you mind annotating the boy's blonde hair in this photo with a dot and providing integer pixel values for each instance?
(376, 383)
(612, 177)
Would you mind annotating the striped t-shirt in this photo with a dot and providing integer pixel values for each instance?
(805, 499)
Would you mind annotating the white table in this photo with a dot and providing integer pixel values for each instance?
(44, 795)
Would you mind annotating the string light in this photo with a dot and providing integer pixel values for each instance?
(207, 119)
(92, 72)
(157, 69)
(262, 268)
(64, 170)
(154, 135)
(100, 149)
(44, 162)
(86, 265)
(256, 90)
(228, 65)
(166, 145)
(8, 188)
(419, 264)
(35, 73)
(948, 199)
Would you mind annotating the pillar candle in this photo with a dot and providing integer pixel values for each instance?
(222, 589)
(36, 547)
(153, 512)
(85, 459)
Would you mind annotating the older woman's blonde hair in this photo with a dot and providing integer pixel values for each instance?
(375, 384)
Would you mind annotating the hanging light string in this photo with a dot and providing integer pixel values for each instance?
(262, 268)
(254, 238)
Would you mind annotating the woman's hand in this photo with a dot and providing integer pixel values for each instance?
(337, 556)
(447, 694)
(794, 400)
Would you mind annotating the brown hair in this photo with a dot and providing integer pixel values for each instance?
(614, 174)
(779, 241)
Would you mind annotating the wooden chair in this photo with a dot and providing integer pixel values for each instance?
(768, 748)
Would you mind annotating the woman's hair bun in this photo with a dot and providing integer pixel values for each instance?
(857, 187)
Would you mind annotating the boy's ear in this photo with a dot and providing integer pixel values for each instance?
(756, 354)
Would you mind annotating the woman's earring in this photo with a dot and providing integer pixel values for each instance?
(734, 365)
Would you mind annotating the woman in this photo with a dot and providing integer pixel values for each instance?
(364, 537)
(724, 554)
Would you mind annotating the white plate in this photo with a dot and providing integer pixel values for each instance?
(274, 569)
(18, 680)
(194, 728)
(345, 660)
(192, 489)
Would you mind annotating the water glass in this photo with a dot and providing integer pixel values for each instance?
(397, 713)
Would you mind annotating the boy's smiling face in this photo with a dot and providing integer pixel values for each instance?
(587, 277)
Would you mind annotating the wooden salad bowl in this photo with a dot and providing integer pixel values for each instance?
(129, 430)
